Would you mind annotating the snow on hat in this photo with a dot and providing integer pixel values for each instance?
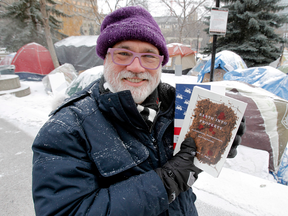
(130, 23)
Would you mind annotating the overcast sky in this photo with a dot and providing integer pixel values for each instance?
(156, 9)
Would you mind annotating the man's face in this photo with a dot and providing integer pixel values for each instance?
(140, 81)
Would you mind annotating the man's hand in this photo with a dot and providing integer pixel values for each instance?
(179, 173)
(237, 140)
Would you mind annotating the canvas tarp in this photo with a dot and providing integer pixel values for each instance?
(284, 58)
(69, 74)
(198, 67)
(80, 51)
(266, 120)
(7, 59)
(283, 68)
(84, 79)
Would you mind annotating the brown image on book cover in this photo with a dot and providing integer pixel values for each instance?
(211, 129)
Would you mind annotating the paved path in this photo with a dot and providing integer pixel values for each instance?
(15, 175)
(15, 171)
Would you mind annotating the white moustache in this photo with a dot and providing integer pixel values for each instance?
(134, 77)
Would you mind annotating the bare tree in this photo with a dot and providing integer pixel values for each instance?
(98, 16)
(116, 5)
(143, 3)
(187, 13)
(122, 3)
(111, 7)
(45, 17)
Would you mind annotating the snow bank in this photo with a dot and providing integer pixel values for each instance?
(28, 113)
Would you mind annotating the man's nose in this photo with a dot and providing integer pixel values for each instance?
(135, 66)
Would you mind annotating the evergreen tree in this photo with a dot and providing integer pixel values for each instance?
(24, 24)
(251, 31)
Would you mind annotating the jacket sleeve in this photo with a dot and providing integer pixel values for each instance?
(64, 180)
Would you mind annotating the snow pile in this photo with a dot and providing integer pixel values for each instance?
(255, 195)
(28, 113)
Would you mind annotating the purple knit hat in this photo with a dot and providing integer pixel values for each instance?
(130, 23)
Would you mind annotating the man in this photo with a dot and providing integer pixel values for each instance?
(108, 150)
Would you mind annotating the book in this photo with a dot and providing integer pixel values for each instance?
(183, 95)
(212, 120)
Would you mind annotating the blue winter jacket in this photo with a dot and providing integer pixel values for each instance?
(96, 156)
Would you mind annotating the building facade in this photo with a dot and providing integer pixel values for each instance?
(83, 17)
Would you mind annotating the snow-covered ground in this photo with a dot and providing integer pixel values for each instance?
(243, 187)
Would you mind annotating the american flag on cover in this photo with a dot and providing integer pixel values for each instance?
(183, 94)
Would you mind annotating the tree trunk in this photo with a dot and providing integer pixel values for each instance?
(45, 18)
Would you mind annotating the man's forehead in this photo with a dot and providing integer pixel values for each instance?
(137, 46)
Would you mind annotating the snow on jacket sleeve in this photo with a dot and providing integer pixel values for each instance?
(65, 179)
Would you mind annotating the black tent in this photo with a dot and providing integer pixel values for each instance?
(80, 51)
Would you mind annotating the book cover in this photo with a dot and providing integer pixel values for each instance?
(212, 120)
(183, 95)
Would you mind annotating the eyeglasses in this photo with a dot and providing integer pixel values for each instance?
(126, 57)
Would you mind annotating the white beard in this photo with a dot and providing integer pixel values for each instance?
(139, 94)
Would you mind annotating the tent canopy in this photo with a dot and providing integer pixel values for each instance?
(180, 54)
(175, 49)
(80, 51)
(32, 62)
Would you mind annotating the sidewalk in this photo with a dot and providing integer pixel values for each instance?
(15, 171)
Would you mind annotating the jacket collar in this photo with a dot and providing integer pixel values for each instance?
(122, 106)
(119, 105)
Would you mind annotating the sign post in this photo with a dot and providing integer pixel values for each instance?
(218, 25)
(218, 21)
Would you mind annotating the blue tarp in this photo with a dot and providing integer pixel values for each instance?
(268, 78)
(282, 174)
(30, 76)
(226, 60)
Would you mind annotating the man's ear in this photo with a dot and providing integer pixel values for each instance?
(104, 61)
